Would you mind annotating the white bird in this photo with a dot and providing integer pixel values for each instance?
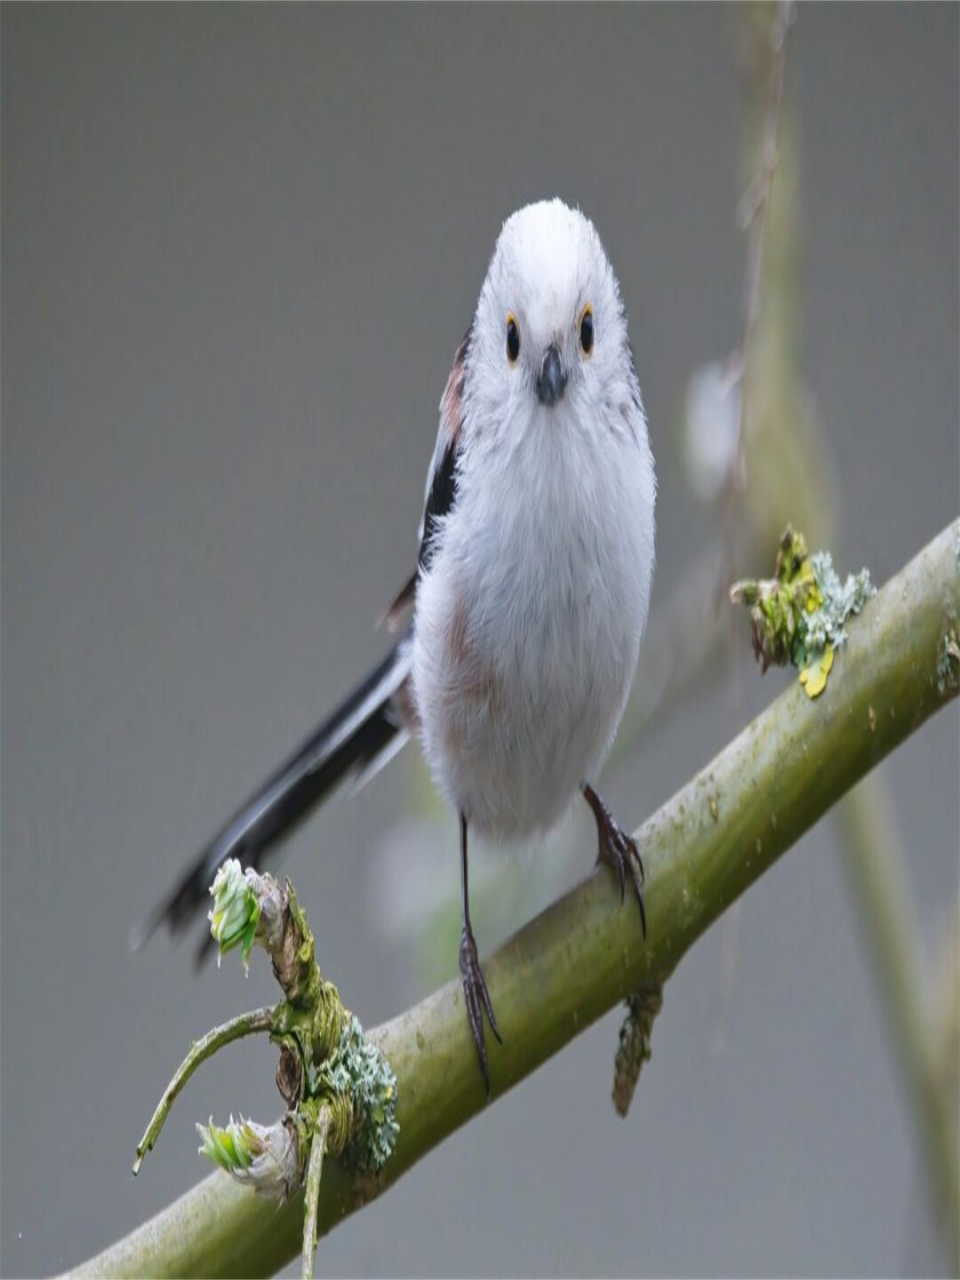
(519, 632)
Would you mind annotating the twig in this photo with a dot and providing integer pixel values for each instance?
(312, 1196)
(255, 1022)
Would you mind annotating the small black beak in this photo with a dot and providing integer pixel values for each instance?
(552, 379)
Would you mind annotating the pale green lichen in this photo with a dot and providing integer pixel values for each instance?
(825, 625)
(799, 615)
(359, 1070)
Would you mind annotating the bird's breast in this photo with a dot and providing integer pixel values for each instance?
(527, 631)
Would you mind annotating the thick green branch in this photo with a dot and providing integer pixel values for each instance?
(578, 959)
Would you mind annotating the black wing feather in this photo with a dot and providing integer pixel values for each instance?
(275, 810)
(440, 502)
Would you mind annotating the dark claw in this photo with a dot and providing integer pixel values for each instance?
(618, 862)
(618, 849)
(477, 1000)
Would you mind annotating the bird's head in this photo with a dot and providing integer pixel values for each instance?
(549, 344)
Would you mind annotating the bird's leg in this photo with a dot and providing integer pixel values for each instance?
(474, 986)
(618, 849)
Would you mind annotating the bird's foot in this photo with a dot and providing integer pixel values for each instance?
(618, 849)
(477, 999)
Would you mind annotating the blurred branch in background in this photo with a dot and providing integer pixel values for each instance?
(575, 961)
(924, 1028)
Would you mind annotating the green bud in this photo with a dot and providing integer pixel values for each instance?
(266, 1158)
(247, 908)
(236, 911)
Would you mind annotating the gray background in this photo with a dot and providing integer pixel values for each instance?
(238, 249)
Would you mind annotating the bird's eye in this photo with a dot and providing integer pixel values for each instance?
(586, 330)
(513, 339)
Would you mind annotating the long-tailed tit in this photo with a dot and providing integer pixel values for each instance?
(518, 633)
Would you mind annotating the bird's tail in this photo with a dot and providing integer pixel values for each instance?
(356, 739)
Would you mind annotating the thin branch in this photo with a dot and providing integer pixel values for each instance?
(312, 1193)
(568, 967)
(256, 1022)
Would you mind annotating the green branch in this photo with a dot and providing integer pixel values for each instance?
(582, 956)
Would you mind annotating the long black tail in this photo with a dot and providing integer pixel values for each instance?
(362, 732)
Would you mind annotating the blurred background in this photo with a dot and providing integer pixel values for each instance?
(239, 246)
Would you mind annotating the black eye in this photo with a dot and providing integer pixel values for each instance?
(586, 330)
(513, 340)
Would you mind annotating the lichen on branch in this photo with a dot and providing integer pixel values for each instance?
(799, 615)
(340, 1089)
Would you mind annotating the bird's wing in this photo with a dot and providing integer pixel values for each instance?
(356, 739)
(441, 488)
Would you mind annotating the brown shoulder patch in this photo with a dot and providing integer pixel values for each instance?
(451, 402)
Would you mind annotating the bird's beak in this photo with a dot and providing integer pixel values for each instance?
(552, 379)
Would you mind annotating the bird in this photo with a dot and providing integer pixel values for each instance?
(517, 636)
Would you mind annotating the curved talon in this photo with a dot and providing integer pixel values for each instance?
(619, 850)
(643, 912)
(477, 1000)
(618, 862)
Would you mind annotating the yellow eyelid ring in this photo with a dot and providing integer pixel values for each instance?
(585, 330)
